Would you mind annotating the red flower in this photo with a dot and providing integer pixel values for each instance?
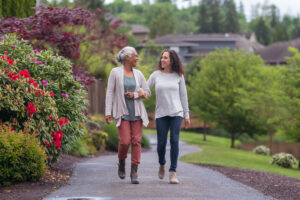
(66, 120)
(47, 143)
(25, 73)
(61, 122)
(51, 94)
(35, 85)
(30, 108)
(13, 77)
(31, 81)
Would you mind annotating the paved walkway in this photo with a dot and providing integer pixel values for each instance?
(96, 179)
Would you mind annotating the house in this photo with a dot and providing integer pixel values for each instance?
(140, 32)
(275, 53)
(190, 45)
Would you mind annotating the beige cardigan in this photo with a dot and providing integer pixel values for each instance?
(115, 95)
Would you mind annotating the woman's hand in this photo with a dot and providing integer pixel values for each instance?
(129, 95)
(187, 123)
(142, 94)
(108, 119)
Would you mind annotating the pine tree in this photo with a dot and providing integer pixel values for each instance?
(231, 18)
(262, 31)
(6, 8)
(204, 20)
(241, 8)
(1, 9)
(216, 19)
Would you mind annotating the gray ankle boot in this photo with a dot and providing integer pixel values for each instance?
(121, 170)
(133, 174)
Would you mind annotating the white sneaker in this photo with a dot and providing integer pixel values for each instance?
(161, 171)
(173, 178)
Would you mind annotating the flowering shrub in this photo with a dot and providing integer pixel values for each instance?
(285, 160)
(38, 92)
(21, 156)
(262, 150)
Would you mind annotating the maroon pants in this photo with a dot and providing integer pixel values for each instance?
(130, 132)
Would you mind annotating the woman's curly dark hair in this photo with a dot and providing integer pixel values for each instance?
(176, 64)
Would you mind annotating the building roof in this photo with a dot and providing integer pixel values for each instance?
(179, 38)
(276, 52)
(136, 28)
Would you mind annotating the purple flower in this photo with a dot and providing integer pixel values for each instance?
(36, 51)
(45, 83)
(13, 47)
(32, 59)
(5, 52)
(39, 62)
(65, 95)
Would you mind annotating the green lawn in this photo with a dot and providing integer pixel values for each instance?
(217, 151)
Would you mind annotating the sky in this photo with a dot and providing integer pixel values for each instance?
(291, 7)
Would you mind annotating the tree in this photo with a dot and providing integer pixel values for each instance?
(262, 30)
(216, 18)
(203, 19)
(265, 98)
(291, 82)
(231, 17)
(215, 94)
(162, 25)
(17, 8)
(241, 8)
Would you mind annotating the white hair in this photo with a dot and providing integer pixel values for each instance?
(126, 51)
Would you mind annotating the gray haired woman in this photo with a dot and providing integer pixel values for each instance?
(125, 89)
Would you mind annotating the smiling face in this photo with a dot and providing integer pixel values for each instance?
(165, 60)
(132, 60)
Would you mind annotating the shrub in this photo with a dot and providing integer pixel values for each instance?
(113, 138)
(42, 85)
(21, 157)
(145, 141)
(285, 160)
(262, 150)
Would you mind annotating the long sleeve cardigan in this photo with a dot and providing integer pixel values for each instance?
(115, 98)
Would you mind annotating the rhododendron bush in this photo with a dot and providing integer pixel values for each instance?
(38, 93)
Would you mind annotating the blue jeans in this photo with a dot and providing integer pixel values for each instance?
(163, 125)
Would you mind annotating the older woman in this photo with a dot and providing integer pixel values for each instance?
(171, 108)
(125, 89)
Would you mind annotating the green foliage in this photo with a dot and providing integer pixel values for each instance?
(21, 157)
(285, 160)
(162, 24)
(113, 138)
(78, 147)
(17, 8)
(56, 74)
(215, 93)
(291, 81)
(92, 142)
(262, 150)
(145, 141)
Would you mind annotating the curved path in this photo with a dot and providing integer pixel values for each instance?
(96, 179)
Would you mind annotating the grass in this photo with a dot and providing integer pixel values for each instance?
(217, 151)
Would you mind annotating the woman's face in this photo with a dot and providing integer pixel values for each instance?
(132, 60)
(165, 60)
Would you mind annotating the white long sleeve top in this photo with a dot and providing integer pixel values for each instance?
(171, 94)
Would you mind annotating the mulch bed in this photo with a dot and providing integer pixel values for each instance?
(277, 186)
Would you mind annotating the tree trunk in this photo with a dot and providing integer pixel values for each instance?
(204, 133)
(232, 139)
